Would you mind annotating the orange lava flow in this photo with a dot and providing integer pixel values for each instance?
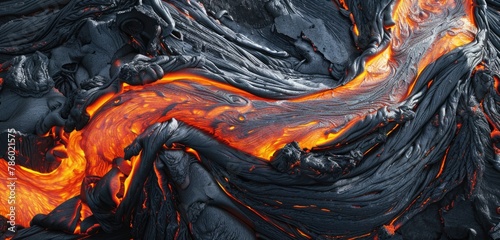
(244, 121)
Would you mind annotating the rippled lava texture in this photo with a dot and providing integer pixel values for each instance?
(279, 119)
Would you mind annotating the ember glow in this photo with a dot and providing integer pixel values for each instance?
(260, 126)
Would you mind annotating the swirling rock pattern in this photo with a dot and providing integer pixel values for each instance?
(342, 119)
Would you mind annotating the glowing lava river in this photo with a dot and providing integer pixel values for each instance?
(410, 131)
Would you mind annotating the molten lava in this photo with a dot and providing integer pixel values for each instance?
(242, 120)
